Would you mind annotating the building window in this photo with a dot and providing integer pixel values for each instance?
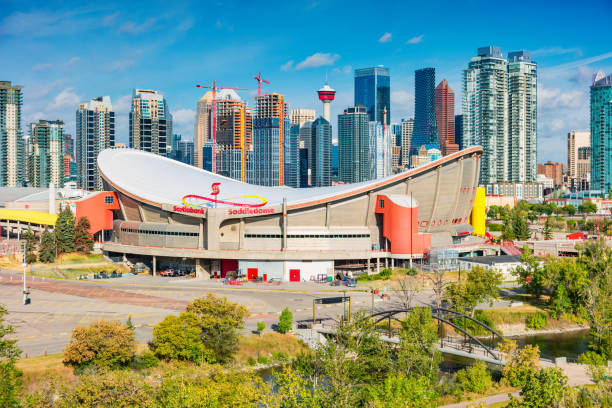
(381, 203)
(109, 200)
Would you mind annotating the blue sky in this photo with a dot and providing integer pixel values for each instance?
(67, 52)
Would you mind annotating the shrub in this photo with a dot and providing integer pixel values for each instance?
(285, 320)
(385, 274)
(103, 344)
(148, 359)
(475, 378)
(251, 361)
(493, 226)
(261, 326)
(364, 277)
(178, 338)
(536, 320)
(280, 356)
(263, 360)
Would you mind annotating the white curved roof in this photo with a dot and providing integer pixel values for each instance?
(160, 180)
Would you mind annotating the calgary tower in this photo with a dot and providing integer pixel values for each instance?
(326, 95)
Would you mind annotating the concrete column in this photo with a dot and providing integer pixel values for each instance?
(241, 234)
(202, 269)
(392, 263)
(377, 265)
(369, 271)
(284, 243)
(154, 265)
(201, 237)
(18, 230)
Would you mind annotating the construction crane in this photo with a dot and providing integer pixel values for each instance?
(214, 88)
(259, 81)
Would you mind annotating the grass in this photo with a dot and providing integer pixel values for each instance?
(497, 388)
(254, 346)
(49, 271)
(35, 369)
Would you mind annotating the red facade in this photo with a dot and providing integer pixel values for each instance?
(445, 118)
(401, 225)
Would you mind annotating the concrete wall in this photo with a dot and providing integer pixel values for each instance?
(280, 269)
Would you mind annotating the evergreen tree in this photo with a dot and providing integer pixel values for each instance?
(508, 232)
(547, 231)
(82, 239)
(46, 253)
(64, 231)
(30, 240)
(519, 226)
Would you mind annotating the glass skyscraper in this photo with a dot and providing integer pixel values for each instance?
(425, 130)
(373, 90)
(321, 151)
(601, 133)
(353, 145)
(46, 154)
(11, 136)
(292, 157)
(150, 122)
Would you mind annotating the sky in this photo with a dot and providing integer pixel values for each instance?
(67, 52)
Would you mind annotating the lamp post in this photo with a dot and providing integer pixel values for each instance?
(25, 265)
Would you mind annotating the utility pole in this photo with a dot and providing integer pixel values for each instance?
(25, 265)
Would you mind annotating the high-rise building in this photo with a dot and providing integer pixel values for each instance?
(381, 150)
(407, 129)
(577, 167)
(522, 117)
(95, 131)
(373, 90)
(445, 118)
(425, 128)
(303, 173)
(202, 131)
(601, 133)
(396, 131)
(292, 157)
(68, 145)
(485, 117)
(234, 134)
(299, 116)
(353, 145)
(46, 154)
(583, 170)
(150, 122)
(270, 130)
(11, 136)
(305, 142)
(321, 151)
(553, 171)
(459, 131)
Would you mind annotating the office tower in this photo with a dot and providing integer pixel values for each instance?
(150, 122)
(583, 169)
(553, 171)
(576, 170)
(407, 128)
(334, 159)
(299, 116)
(202, 131)
(326, 96)
(95, 131)
(185, 152)
(270, 130)
(321, 150)
(373, 90)
(68, 145)
(305, 142)
(459, 131)
(397, 158)
(11, 136)
(445, 118)
(354, 145)
(207, 152)
(292, 157)
(522, 117)
(484, 112)
(425, 129)
(174, 146)
(303, 168)
(46, 154)
(601, 133)
(396, 131)
(381, 150)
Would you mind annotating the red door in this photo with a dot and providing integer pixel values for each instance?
(251, 273)
(294, 275)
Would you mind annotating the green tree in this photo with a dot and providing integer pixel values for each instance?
(10, 376)
(543, 388)
(83, 242)
(64, 231)
(569, 209)
(220, 322)
(261, 326)
(178, 338)
(531, 273)
(46, 252)
(400, 391)
(481, 285)
(30, 240)
(102, 344)
(475, 378)
(587, 207)
(519, 226)
(294, 390)
(508, 231)
(285, 321)
(548, 228)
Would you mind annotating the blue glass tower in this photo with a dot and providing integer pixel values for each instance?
(425, 131)
(373, 90)
(601, 133)
(321, 150)
(292, 157)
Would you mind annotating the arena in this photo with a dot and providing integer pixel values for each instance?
(174, 214)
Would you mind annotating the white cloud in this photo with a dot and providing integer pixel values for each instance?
(42, 67)
(120, 65)
(183, 116)
(64, 100)
(575, 64)
(319, 59)
(551, 51)
(130, 27)
(386, 37)
(72, 61)
(122, 105)
(287, 66)
(416, 40)
(554, 99)
(110, 19)
(402, 103)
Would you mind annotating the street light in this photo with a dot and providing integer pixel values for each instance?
(26, 300)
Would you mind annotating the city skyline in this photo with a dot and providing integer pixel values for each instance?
(117, 49)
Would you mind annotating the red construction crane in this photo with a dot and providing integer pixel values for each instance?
(214, 89)
(259, 81)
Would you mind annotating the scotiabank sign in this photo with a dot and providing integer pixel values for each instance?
(192, 210)
(250, 211)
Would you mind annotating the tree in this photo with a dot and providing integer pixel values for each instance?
(285, 320)
(508, 231)
(82, 238)
(178, 338)
(64, 231)
(475, 378)
(10, 376)
(587, 207)
(439, 283)
(103, 344)
(220, 321)
(548, 228)
(46, 253)
(543, 388)
(519, 226)
(400, 391)
(30, 241)
(406, 289)
(481, 285)
(531, 273)
(569, 209)
(261, 326)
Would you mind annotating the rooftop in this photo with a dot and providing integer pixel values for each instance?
(493, 260)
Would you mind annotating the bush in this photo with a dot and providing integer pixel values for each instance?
(493, 226)
(261, 326)
(103, 344)
(251, 361)
(536, 320)
(285, 320)
(385, 274)
(475, 378)
(280, 356)
(178, 338)
(148, 359)
(263, 360)
(474, 328)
